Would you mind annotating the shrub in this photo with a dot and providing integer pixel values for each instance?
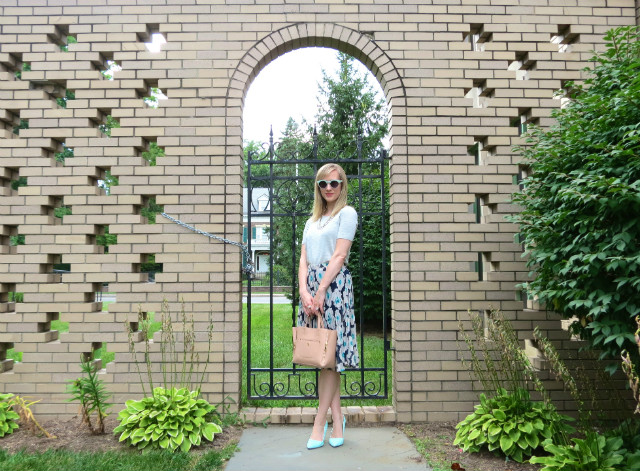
(595, 453)
(629, 432)
(506, 420)
(581, 203)
(8, 418)
(173, 416)
(616, 449)
(169, 419)
(510, 423)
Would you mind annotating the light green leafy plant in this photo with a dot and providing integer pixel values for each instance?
(510, 423)
(8, 418)
(169, 419)
(599, 454)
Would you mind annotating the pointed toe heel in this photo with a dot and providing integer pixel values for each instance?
(336, 442)
(313, 444)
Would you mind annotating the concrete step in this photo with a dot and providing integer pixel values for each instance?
(305, 415)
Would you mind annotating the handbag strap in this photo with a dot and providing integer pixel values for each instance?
(320, 323)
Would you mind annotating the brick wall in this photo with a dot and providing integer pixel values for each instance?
(461, 79)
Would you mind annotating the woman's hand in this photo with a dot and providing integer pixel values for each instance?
(318, 300)
(307, 303)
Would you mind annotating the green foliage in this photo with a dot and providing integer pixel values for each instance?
(109, 123)
(496, 360)
(153, 153)
(62, 101)
(150, 266)
(581, 203)
(92, 394)
(8, 418)
(24, 124)
(25, 67)
(109, 181)
(150, 210)
(70, 40)
(106, 239)
(265, 349)
(115, 460)
(20, 181)
(595, 450)
(369, 267)
(595, 453)
(15, 297)
(180, 367)
(172, 416)
(62, 211)
(67, 152)
(152, 100)
(509, 423)
(17, 240)
(169, 419)
(347, 107)
(629, 433)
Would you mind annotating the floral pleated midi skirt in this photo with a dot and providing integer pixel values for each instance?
(338, 313)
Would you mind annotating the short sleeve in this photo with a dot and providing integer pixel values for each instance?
(348, 223)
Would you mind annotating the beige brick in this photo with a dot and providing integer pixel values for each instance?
(204, 69)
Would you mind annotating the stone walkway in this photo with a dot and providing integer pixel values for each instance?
(367, 448)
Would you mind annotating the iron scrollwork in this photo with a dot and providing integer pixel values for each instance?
(286, 174)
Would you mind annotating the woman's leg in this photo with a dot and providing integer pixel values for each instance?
(336, 412)
(328, 384)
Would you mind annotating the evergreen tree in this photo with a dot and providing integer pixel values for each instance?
(348, 107)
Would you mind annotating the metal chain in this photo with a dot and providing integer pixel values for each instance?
(247, 268)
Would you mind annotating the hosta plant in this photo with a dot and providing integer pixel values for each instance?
(168, 419)
(594, 453)
(8, 418)
(509, 423)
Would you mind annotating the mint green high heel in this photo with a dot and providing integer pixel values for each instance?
(313, 444)
(336, 442)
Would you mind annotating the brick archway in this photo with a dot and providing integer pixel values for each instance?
(355, 43)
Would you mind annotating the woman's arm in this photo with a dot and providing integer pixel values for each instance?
(335, 265)
(305, 296)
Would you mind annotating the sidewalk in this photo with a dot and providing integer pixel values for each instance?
(283, 448)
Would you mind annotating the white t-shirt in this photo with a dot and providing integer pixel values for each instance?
(320, 237)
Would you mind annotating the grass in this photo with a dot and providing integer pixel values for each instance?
(55, 460)
(425, 446)
(282, 320)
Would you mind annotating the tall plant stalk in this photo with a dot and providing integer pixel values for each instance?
(497, 360)
(631, 371)
(180, 360)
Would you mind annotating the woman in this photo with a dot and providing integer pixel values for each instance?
(326, 289)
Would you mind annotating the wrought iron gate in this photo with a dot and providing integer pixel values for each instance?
(278, 201)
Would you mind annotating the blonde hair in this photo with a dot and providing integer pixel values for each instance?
(319, 204)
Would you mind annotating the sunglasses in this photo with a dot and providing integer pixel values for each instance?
(323, 183)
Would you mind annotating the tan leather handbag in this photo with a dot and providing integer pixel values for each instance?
(315, 347)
